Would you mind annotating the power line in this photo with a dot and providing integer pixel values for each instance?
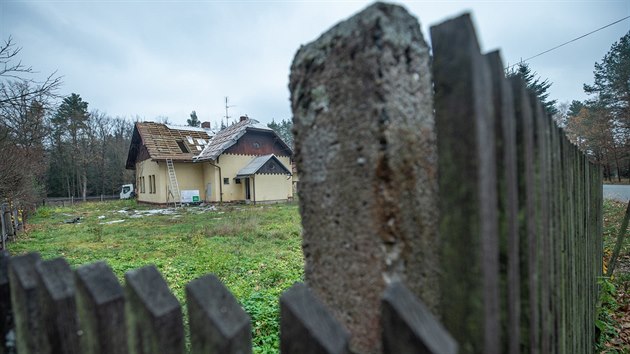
(565, 43)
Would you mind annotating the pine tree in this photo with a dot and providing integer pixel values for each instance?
(534, 83)
(193, 121)
(69, 127)
(612, 81)
(283, 129)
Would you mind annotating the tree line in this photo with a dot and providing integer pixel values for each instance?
(599, 125)
(54, 146)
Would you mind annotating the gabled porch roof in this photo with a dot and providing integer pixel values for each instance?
(263, 164)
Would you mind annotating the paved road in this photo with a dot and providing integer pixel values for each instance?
(617, 191)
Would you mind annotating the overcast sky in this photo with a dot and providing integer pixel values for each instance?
(168, 58)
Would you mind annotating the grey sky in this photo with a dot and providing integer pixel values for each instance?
(167, 58)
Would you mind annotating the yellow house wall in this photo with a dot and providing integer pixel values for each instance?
(231, 164)
(210, 176)
(145, 169)
(196, 176)
(272, 187)
(189, 176)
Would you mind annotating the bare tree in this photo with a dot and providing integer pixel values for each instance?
(24, 106)
(12, 70)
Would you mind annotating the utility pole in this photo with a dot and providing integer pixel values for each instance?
(227, 117)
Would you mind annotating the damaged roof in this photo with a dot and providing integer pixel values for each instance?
(230, 135)
(160, 142)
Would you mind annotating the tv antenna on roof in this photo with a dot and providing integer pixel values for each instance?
(227, 117)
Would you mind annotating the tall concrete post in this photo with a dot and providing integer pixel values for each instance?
(362, 106)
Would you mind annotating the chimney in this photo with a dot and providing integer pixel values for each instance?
(205, 125)
(244, 118)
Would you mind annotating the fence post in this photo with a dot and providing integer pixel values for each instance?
(5, 217)
(16, 222)
(542, 218)
(218, 324)
(3, 227)
(409, 327)
(507, 188)
(368, 181)
(528, 242)
(307, 327)
(153, 313)
(100, 303)
(464, 120)
(6, 315)
(29, 330)
(59, 312)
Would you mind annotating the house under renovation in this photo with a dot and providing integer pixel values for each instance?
(246, 161)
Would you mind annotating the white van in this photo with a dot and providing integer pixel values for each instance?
(127, 191)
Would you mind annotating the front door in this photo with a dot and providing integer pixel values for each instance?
(247, 190)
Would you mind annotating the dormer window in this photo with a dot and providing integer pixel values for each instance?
(182, 147)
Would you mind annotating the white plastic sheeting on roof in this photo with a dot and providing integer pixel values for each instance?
(185, 127)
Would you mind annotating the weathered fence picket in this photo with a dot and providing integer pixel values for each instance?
(101, 308)
(507, 193)
(508, 264)
(58, 307)
(218, 324)
(30, 334)
(464, 118)
(409, 327)
(6, 316)
(154, 315)
(307, 327)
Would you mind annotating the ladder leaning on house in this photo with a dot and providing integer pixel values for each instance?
(173, 189)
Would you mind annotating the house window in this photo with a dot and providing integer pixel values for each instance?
(226, 181)
(237, 180)
(142, 184)
(152, 188)
(182, 146)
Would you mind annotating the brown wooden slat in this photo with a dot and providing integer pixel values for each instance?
(101, 306)
(468, 199)
(153, 313)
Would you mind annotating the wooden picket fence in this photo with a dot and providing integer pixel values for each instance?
(520, 250)
(520, 210)
(50, 308)
(11, 222)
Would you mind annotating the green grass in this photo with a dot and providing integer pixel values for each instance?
(254, 250)
(613, 313)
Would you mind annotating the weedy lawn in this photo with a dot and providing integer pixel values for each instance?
(255, 250)
(613, 321)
